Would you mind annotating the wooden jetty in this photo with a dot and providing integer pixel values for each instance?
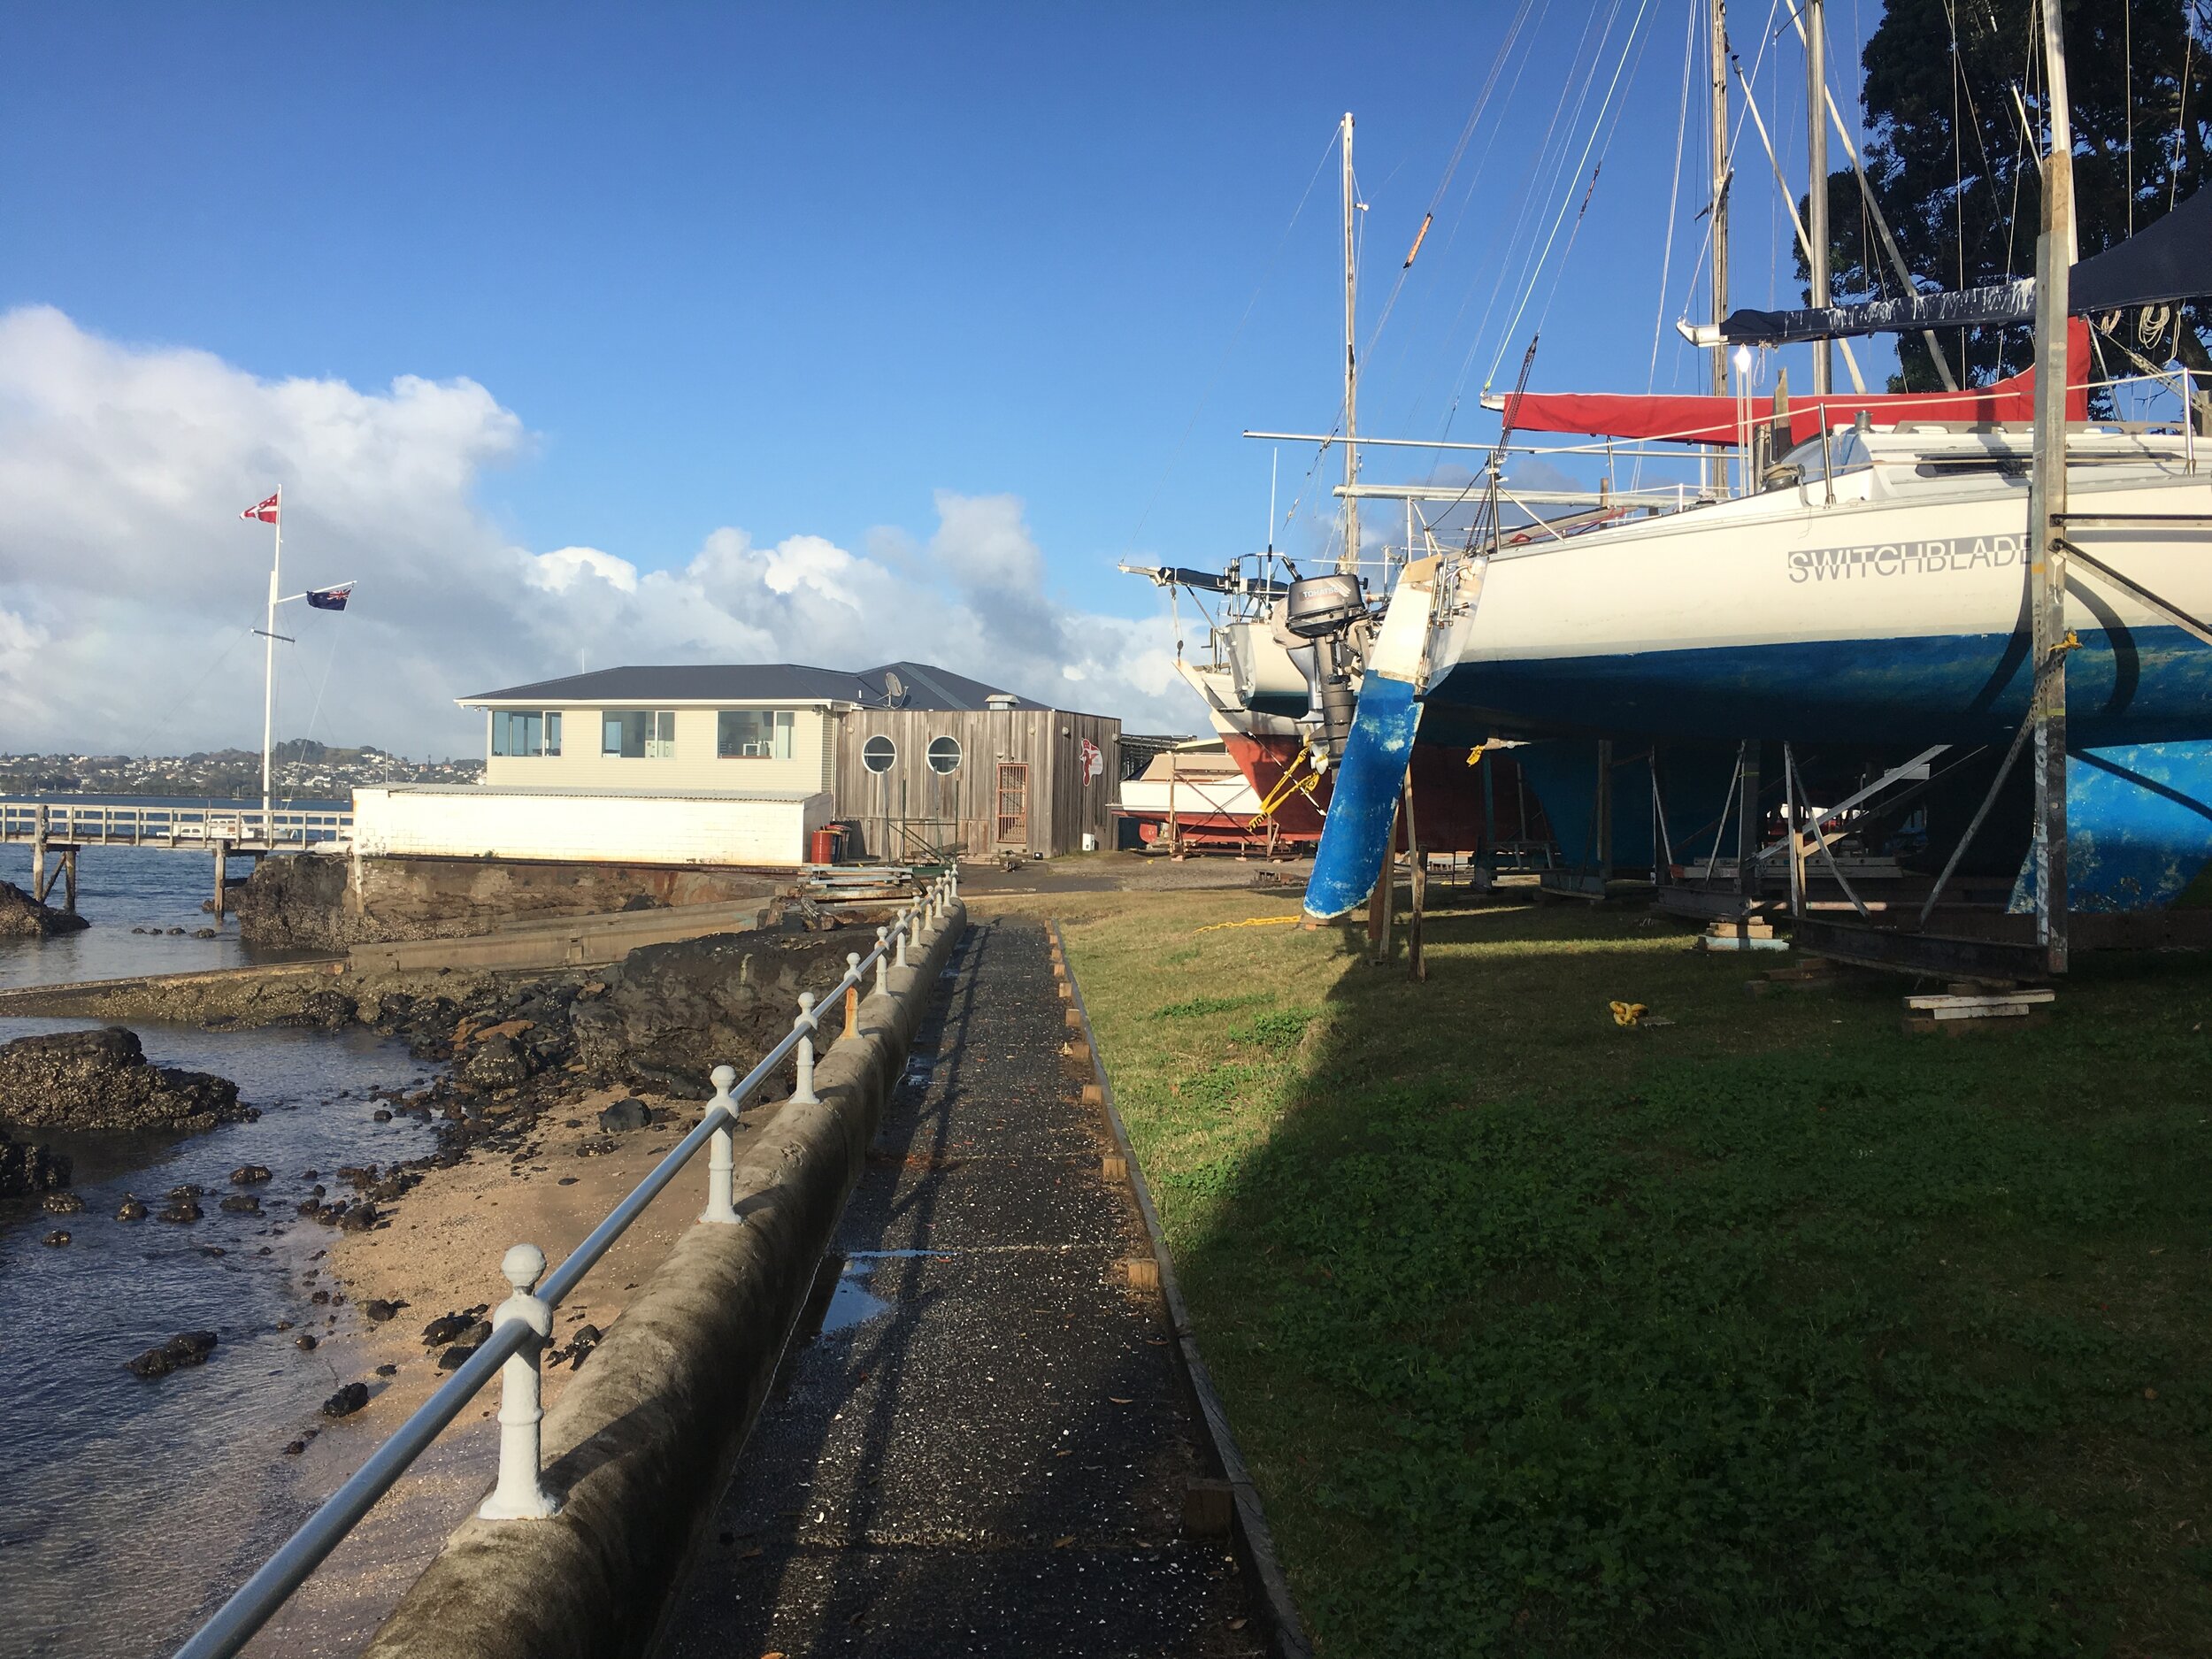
(219, 828)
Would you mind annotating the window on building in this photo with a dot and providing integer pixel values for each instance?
(526, 731)
(944, 755)
(879, 754)
(638, 733)
(754, 733)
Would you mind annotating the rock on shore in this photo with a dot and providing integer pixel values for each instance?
(23, 916)
(102, 1080)
(672, 1013)
(25, 1169)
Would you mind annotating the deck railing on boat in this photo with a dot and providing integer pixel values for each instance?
(522, 1324)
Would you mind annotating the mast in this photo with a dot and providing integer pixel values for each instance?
(268, 673)
(1716, 88)
(1817, 195)
(1348, 560)
(2046, 506)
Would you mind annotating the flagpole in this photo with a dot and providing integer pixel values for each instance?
(268, 675)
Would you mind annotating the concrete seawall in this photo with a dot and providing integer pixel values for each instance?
(641, 1446)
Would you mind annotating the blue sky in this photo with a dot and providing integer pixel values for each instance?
(797, 268)
(823, 333)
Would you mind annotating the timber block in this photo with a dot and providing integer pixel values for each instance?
(1141, 1272)
(1075, 1020)
(1094, 1096)
(1208, 1509)
(1113, 1167)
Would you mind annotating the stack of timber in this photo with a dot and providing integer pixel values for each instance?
(858, 884)
(1753, 932)
(1976, 1008)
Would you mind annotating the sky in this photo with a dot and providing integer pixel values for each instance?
(835, 334)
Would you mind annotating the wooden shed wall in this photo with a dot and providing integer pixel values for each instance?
(964, 805)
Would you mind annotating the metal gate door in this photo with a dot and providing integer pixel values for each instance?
(1013, 803)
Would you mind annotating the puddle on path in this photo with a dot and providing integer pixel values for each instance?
(852, 1302)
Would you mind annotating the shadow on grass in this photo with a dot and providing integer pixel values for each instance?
(1771, 1330)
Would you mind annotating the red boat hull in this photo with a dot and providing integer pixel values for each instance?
(1447, 794)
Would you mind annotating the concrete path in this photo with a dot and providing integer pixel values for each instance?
(985, 1450)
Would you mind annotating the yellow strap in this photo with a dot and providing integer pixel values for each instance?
(1251, 921)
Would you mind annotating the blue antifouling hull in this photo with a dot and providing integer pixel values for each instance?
(1356, 834)
(2139, 826)
(1694, 781)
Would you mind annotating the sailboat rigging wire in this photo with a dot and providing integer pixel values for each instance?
(1797, 221)
(1674, 193)
(1620, 67)
(1459, 151)
(1237, 334)
(1549, 166)
(1462, 215)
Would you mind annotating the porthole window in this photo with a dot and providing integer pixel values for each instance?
(944, 755)
(879, 754)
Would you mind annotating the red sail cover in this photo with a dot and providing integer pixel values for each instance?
(1708, 419)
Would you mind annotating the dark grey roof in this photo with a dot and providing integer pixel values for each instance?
(925, 687)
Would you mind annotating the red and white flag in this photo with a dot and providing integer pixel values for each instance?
(266, 512)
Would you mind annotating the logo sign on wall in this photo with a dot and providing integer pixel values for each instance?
(1094, 761)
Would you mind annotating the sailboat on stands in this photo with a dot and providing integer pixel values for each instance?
(1887, 581)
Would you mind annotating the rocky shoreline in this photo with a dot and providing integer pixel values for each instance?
(531, 1067)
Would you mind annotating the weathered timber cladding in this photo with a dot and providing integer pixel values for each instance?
(961, 807)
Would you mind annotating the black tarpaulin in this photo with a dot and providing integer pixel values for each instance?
(2000, 302)
(2170, 259)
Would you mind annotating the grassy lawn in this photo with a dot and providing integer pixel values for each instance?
(1773, 1330)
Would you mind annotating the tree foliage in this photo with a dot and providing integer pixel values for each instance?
(1953, 170)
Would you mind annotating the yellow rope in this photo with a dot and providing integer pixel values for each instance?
(1251, 921)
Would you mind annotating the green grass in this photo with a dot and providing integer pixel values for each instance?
(1774, 1330)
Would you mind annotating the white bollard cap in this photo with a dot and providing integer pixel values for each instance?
(524, 1265)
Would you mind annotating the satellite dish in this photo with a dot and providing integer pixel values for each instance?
(894, 688)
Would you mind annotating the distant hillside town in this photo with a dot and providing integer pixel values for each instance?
(303, 768)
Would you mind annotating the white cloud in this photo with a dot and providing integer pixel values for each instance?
(129, 586)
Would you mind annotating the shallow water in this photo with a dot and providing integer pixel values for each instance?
(129, 1508)
(119, 888)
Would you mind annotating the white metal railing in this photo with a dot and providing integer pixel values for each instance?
(522, 1324)
(201, 826)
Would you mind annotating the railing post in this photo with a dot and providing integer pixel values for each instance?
(803, 1085)
(906, 926)
(883, 960)
(852, 992)
(722, 1154)
(520, 1495)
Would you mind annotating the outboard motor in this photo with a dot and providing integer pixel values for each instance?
(1323, 610)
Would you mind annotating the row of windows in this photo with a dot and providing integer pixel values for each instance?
(880, 754)
(650, 734)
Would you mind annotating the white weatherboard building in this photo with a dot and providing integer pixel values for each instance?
(737, 764)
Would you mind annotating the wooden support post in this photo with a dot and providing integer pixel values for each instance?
(69, 879)
(38, 855)
(1418, 861)
(222, 874)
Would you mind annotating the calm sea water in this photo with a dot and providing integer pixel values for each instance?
(129, 1508)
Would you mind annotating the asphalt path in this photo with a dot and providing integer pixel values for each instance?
(984, 1449)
